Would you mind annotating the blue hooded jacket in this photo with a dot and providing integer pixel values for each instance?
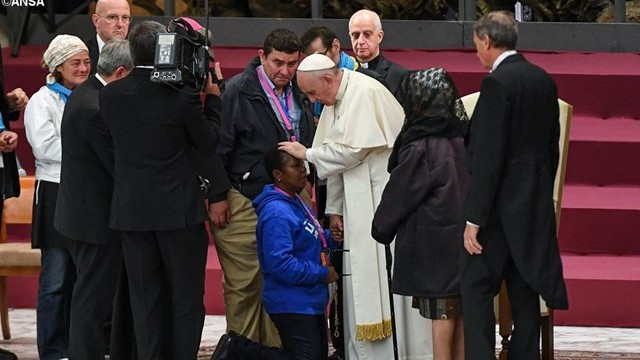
(289, 252)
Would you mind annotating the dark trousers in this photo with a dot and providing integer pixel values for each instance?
(304, 337)
(54, 303)
(482, 276)
(123, 339)
(97, 270)
(165, 270)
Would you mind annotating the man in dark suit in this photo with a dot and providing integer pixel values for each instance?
(157, 201)
(111, 19)
(365, 32)
(10, 106)
(511, 225)
(84, 202)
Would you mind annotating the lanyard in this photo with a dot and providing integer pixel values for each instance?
(323, 240)
(287, 105)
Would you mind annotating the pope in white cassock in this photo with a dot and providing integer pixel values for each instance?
(351, 148)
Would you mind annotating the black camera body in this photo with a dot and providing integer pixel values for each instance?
(182, 56)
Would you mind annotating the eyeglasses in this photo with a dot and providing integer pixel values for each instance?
(113, 18)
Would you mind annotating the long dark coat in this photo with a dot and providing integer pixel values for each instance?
(513, 157)
(86, 179)
(422, 203)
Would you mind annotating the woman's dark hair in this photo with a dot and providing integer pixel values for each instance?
(276, 159)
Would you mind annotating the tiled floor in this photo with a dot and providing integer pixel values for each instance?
(23, 331)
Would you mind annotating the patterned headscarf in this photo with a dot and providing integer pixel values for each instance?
(61, 48)
(432, 107)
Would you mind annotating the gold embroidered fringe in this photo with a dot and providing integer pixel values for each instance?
(373, 332)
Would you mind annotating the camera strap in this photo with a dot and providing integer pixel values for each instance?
(283, 110)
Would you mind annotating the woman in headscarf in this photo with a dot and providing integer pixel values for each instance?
(67, 59)
(422, 202)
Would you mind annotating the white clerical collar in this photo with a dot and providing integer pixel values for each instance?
(500, 58)
(100, 43)
(101, 79)
(343, 84)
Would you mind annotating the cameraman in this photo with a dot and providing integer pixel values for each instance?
(157, 201)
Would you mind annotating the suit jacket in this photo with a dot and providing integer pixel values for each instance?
(513, 156)
(86, 179)
(392, 73)
(10, 179)
(94, 52)
(155, 130)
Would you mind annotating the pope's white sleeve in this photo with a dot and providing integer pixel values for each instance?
(332, 159)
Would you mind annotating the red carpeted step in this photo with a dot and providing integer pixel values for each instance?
(603, 291)
(600, 151)
(603, 220)
(213, 295)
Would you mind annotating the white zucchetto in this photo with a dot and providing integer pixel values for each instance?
(316, 62)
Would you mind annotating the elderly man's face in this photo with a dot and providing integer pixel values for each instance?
(483, 51)
(112, 19)
(279, 66)
(365, 38)
(317, 88)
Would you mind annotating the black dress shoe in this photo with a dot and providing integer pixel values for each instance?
(7, 355)
(221, 351)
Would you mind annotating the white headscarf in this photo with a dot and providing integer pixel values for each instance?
(61, 48)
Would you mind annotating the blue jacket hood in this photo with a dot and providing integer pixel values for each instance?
(269, 194)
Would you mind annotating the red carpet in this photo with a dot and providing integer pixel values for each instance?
(601, 206)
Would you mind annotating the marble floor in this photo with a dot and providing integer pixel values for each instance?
(619, 340)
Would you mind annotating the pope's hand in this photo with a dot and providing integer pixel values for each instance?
(294, 149)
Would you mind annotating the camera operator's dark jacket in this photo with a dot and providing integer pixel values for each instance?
(250, 128)
(155, 130)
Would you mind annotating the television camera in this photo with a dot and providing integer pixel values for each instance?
(182, 56)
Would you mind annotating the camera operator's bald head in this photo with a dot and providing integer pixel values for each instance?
(111, 19)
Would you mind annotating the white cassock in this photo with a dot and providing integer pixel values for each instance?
(351, 149)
